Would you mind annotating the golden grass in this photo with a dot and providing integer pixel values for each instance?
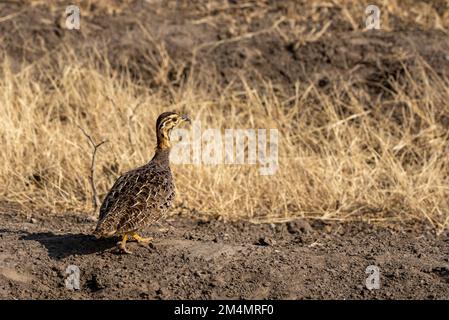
(338, 159)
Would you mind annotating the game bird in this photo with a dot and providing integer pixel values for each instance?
(141, 196)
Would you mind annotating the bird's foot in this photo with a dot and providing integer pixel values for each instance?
(121, 248)
(147, 242)
(121, 245)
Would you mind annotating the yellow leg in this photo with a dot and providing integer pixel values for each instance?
(121, 245)
(140, 240)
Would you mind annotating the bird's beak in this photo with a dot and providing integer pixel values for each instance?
(185, 118)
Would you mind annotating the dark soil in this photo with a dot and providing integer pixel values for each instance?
(215, 47)
(194, 259)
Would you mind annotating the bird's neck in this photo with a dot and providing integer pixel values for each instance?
(163, 140)
(162, 148)
(161, 155)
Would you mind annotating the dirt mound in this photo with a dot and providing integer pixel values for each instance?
(194, 259)
(168, 44)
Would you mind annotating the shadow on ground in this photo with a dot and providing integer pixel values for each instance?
(62, 246)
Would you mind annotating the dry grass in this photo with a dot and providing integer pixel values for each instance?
(339, 158)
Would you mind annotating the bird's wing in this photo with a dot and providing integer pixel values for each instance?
(112, 197)
(138, 196)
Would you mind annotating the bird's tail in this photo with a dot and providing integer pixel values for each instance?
(97, 234)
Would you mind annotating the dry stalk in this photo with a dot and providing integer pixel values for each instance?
(95, 147)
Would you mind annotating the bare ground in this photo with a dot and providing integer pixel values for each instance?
(203, 46)
(194, 259)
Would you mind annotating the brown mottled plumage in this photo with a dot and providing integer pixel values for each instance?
(143, 195)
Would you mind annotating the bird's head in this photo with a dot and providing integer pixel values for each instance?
(164, 124)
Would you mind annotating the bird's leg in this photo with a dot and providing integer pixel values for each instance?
(141, 240)
(121, 245)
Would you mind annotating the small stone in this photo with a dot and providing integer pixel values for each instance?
(265, 241)
(92, 218)
(144, 295)
(160, 292)
(299, 226)
(96, 283)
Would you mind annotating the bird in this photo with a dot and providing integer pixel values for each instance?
(143, 195)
